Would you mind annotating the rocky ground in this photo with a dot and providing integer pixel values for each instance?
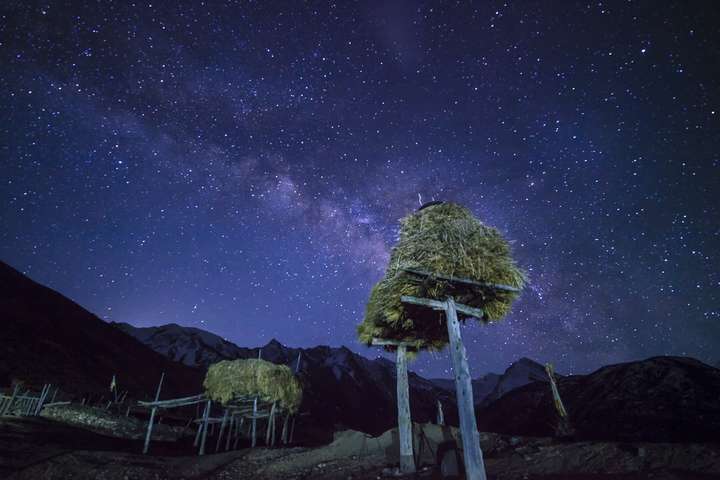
(39, 448)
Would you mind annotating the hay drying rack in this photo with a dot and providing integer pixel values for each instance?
(236, 412)
(474, 465)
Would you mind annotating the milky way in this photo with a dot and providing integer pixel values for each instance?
(242, 167)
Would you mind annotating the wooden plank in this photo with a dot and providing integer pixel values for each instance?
(437, 305)
(461, 280)
(474, 465)
(384, 342)
(407, 460)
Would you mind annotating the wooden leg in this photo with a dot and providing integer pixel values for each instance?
(220, 432)
(230, 432)
(284, 434)
(254, 424)
(407, 461)
(292, 429)
(205, 428)
(474, 465)
(146, 447)
(270, 425)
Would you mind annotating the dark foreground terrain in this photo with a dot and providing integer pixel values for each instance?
(42, 448)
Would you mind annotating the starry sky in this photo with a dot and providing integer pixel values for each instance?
(242, 166)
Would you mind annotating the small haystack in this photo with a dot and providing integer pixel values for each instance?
(230, 379)
(444, 239)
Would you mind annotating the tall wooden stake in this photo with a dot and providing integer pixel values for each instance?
(407, 461)
(206, 416)
(254, 424)
(270, 425)
(440, 414)
(220, 433)
(474, 465)
(146, 447)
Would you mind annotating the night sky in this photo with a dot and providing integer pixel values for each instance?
(242, 167)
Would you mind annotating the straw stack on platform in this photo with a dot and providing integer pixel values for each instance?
(230, 379)
(444, 239)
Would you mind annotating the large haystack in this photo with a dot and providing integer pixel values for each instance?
(230, 379)
(444, 239)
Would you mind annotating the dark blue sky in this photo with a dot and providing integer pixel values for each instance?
(241, 167)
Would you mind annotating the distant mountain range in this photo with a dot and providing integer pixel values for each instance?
(45, 337)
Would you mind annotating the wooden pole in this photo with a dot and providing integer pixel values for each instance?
(254, 424)
(270, 425)
(284, 434)
(201, 420)
(297, 365)
(407, 461)
(440, 415)
(146, 447)
(230, 432)
(474, 465)
(292, 429)
(220, 432)
(205, 428)
(8, 406)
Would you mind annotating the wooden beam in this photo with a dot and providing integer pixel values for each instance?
(438, 305)
(407, 460)
(461, 280)
(474, 465)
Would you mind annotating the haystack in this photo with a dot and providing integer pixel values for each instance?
(229, 379)
(444, 239)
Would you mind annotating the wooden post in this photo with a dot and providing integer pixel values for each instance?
(8, 406)
(254, 424)
(292, 429)
(270, 425)
(440, 415)
(474, 465)
(220, 432)
(230, 432)
(201, 419)
(407, 461)
(205, 428)
(284, 434)
(238, 430)
(146, 447)
(297, 365)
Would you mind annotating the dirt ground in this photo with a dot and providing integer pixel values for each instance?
(45, 449)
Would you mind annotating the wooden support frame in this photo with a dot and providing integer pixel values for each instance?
(472, 453)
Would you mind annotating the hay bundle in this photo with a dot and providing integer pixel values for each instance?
(229, 379)
(444, 239)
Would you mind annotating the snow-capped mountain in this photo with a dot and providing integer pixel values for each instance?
(482, 386)
(517, 375)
